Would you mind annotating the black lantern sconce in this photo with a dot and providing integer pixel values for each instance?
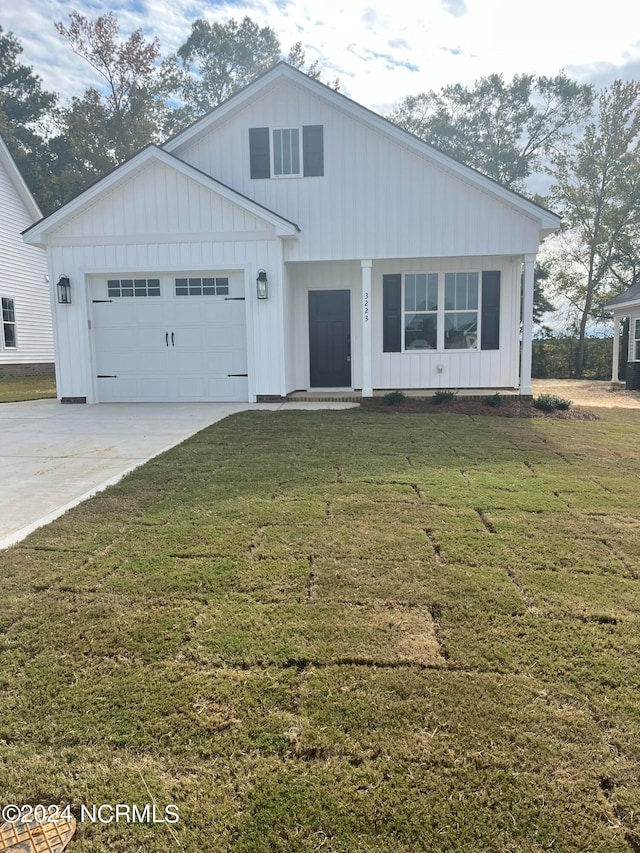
(262, 284)
(64, 290)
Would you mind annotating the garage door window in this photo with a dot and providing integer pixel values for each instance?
(202, 286)
(133, 287)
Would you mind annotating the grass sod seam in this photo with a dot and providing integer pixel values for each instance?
(292, 704)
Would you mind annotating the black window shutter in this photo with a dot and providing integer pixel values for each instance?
(259, 152)
(490, 335)
(313, 150)
(392, 313)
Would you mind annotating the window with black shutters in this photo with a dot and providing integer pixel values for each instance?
(282, 152)
(441, 311)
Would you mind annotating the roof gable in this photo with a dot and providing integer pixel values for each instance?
(549, 221)
(120, 180)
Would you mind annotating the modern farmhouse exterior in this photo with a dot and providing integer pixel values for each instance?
(292, 240)
(26, 338)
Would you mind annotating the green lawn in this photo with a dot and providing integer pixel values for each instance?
(340, 631)
(16, 389)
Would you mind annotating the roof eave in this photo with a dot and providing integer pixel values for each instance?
(623, 307)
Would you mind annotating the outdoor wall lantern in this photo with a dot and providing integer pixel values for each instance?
(263, 285)
(64, 290)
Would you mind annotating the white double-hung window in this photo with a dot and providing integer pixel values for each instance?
(461, 310)
(421, 311)
(8, 337)
(635, 341)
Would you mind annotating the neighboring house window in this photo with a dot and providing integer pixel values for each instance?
(441, 311)
(133, 287)
(286, 151)
(8, 323)
(421, 311)
(202, 286)
(461, 310)
(636, 341)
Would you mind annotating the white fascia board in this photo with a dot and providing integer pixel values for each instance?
(624, 308)
(37, 234)
(548, 221)
(19, 182)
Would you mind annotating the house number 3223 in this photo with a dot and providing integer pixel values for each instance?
(366, 307)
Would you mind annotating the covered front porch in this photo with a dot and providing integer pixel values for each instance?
(350, 326)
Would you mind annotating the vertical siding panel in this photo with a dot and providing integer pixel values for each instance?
(428, 210)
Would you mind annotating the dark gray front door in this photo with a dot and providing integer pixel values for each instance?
(330, 338)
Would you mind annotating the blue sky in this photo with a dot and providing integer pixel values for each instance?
(381, 50)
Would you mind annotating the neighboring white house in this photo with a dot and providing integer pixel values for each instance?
(627, 304)
(291, 240)
(26, 338)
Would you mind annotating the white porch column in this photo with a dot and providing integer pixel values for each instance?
(615, 374)
(527, 325)
(367, 382)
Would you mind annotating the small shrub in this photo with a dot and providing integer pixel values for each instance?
(549, 402)
(544, 402)
(394, 398)
(442, 396)
(494, 400)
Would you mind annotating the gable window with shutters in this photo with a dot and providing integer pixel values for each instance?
(286, 152)
(441, 311)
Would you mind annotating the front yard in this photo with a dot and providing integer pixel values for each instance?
(16, 389)
(340, 631)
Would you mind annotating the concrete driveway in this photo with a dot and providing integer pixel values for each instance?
(54, 456)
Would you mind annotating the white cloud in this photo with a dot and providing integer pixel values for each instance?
(457, 8)
(381, 53)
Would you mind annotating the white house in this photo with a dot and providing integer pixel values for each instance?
(627, 304)
(291, 240)
(26, 338)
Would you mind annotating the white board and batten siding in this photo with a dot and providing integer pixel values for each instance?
(418, 369)
(118, 239)
(473, 368)
(302, 279)
(379, 197)
(23, 271)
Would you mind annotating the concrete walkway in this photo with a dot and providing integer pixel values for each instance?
(52, 456)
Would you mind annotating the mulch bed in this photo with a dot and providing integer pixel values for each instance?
(509, 408)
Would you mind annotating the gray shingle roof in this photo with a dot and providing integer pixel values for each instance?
(632, 294)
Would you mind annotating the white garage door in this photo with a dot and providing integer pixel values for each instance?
(170, 338)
